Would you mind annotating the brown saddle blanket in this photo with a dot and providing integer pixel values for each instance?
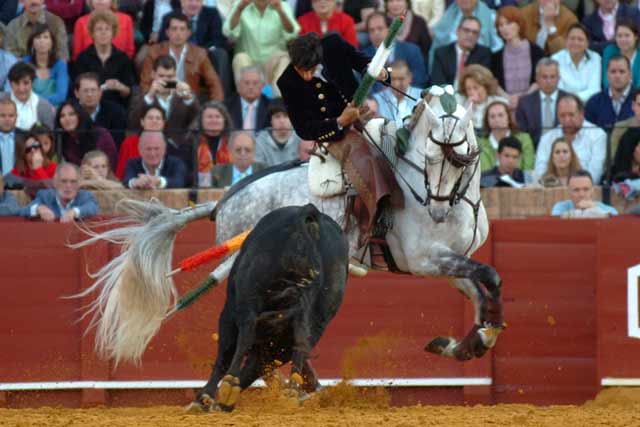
(370, 175)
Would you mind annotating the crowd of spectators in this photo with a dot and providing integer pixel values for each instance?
(153, 94)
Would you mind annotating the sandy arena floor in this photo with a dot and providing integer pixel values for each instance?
(344, 407)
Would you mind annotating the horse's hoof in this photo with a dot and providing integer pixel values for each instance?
(226, 408)
(228, 392)
(489, 335)
(442, 346)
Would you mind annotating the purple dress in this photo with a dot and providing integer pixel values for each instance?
(73, 150)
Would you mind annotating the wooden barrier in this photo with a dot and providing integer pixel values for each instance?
(499, 202)
(566, 304)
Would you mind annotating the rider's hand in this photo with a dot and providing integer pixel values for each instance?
(349, 115)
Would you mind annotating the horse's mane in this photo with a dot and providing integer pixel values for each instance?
(244, 182)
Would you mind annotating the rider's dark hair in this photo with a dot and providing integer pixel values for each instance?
(581, 172)
(511, 142)
(305, 51)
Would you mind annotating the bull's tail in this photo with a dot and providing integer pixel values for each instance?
(135, 289)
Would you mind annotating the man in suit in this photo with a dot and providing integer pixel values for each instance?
(206, 32)
(242, 150)
(602, 33)
(154, 170)
(65, 201)
(179, 103)
(613, 104)
(8, 117)
(104, 113)
(192, 62)
(378, 28)
(449, 60)
(536, 112)
(249, 108)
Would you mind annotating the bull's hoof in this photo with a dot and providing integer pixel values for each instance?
(442, 346)
(202, 404)
(228, 392)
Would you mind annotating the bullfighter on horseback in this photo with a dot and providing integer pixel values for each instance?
(317, 88)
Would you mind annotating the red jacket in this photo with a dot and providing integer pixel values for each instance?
(44, 172)
(339, 22)
(123, 40)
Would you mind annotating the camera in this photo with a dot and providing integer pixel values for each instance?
(171, 84)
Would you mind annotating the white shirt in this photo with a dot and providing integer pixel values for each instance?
(7, 150)
(161, 8)
(27, 111)
(583, 80)
(236, 175)
(179, 62)
(590, 145)
(163, 180)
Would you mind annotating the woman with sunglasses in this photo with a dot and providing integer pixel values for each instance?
(30, 161)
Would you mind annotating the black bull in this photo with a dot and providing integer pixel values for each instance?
(283, 290)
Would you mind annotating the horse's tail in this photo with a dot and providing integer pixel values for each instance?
(135, 290)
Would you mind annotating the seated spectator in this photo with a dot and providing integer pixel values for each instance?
(266, 47)
(430, 10)
(9, 9)
(150, 24)
(116, 74)
(193, 64)
(581, 204)
(96, 172)
(562, 164)
(154, 169)
(249, 107)
(52, 78)
(326, 17)
(580, 68)
(601, 24)
(104, 113)
(414, 28)
(7, 59)
(612, 105)
(19, 29)
(393, 104)
(588, 141)
(279, 143)
(8, 118)
(44, 135)
(621, 127)
(65, 201)
(210, 135)
(206, 32)
(378, 28)
(548, 23)
(535, 113)
(154, 120)
(30, 162)
(123, 40)
(509, 150)
(31, 108)
(626, 45)
(79, 135)
(450, 60)
(8, 203)
(68, 10)
(242, 148)
(478, 85)
(514, 65)
(626, 166)
(498, 123)
(453, 15)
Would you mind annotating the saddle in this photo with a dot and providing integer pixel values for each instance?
(367, 172)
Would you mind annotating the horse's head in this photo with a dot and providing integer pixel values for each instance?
(444, 146)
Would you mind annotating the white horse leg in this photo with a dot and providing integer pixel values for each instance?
(481, 284)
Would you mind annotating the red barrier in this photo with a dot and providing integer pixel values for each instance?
(564, 287)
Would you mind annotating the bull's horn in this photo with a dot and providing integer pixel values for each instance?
(467, 116)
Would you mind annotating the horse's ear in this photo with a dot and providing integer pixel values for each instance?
(432, 119)
(467, 116)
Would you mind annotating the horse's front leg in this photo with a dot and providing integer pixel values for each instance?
(482, 285)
